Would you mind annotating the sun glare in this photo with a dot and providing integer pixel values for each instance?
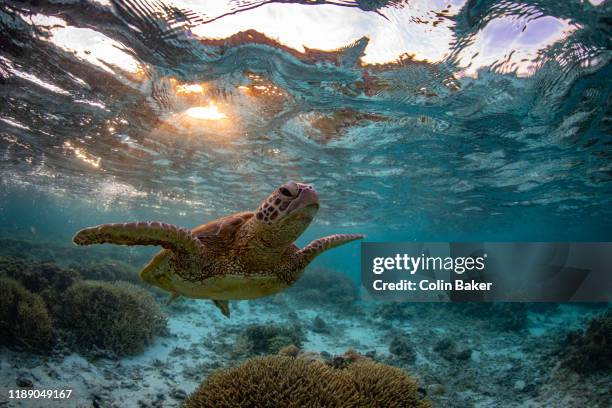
(210, 112)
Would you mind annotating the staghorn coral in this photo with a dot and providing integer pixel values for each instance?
(380, 385)
(324, 287)
(119, 317)
(258, 339)
(24, 319)
(591, 350)
(280, 381)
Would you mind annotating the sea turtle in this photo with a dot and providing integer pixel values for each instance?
(246, 255)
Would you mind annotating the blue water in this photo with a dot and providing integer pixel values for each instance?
(415, 121)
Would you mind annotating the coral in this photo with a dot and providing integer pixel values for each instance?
(591, 350)
(543, 307)
(342, 361)
(402, 349)
(394, 311)
(324, 287)
(24, 319)
(119, 317)
(46, 279)
(380, 385)
(289, 351)
(260, 339)
(448, 349)
(498, 316)
(280, 381)
(319, 325)
(402, 311)
(108, 270)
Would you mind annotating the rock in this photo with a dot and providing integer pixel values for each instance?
(520, 385)
(449, 350)
(24, 382)
(319, 325)
(436, 389)
(178, 394)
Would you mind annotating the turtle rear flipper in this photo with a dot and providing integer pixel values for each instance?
(161, 234)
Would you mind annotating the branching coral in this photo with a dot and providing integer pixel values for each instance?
(591, 350)
(108, 270)
(119, 317)
(280, 381)
(46, 279)
(260, 339)
(24, 319)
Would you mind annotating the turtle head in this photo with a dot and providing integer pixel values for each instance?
(286, 213)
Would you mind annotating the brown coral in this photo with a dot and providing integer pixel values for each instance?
(280, 381)
(590, 350)
(118, 317)
(24, 319)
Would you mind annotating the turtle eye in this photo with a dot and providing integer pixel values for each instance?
(285, 191)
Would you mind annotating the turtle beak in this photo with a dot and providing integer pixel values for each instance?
(308, 197)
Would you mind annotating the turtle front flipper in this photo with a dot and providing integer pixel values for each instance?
(318, 246)
(223, 306)
(141, 233)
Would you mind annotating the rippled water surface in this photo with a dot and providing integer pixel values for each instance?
(413, 115)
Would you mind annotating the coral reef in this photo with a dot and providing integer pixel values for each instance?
(258, 339)
(497, 316)
(394, 311)
(591, 350)
(108, 270)
(24, 319)
(402, 349)
(543, 307)
(46, 279)
(319, 325)
(300, 382)
(119, 317)
(449, 350)
(324, 287)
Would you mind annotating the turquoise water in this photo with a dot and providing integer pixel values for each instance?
(415, 121)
